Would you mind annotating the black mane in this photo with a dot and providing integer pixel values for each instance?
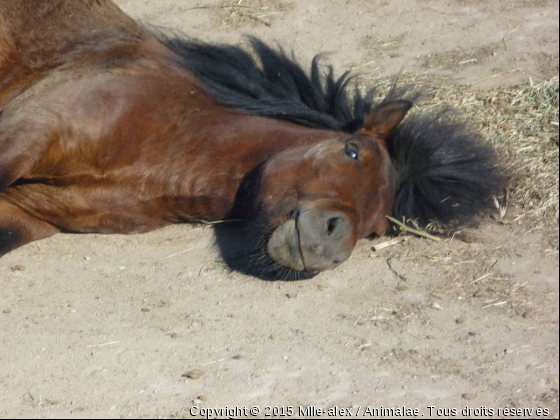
(445, 172)
(274, 85)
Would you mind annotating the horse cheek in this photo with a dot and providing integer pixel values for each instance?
(381, 227)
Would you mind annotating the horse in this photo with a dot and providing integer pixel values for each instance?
(108, 126)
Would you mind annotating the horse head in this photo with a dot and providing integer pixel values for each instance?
(315, 201)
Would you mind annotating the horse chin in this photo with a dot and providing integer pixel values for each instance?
(284, 246)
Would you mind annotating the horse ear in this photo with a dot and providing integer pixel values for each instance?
(385, 117)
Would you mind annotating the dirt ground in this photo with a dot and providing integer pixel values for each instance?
(153, 325)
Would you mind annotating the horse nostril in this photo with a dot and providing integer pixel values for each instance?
(333, 224)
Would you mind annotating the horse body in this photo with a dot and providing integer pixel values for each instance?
(38, 36)
(115, 163)
(106, 128)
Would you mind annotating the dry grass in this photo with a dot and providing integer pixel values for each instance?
(237, 13)
(382, 47)
(468, 272)
(521, 121)
(458, 58)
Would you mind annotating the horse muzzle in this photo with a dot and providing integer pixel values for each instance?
(313, 241)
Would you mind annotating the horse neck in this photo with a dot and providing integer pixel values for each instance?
(221, 148)
(237, 143)
(253, 139)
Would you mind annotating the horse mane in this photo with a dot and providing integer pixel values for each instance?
(269, 83)
(445, 172)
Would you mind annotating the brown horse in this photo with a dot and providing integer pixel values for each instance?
(108, 127)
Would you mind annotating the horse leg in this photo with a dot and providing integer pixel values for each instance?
(18, 228)
(23, 143)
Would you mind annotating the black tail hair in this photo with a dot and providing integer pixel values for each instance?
(444, 170)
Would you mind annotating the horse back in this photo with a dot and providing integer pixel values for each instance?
(39, 35)
(82, 85)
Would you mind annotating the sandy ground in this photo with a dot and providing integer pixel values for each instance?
(112, 326)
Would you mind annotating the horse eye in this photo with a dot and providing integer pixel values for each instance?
(351, 150)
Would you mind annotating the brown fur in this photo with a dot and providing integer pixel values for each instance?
(103, 130)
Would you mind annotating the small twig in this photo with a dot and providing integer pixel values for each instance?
(515, 289)
(426, 320)
(502, 206)
(495, 304)
(213, 363)
(103, 345)
(203, 267)
(521, 216)
(364, 345)
(464, 262)
(481, 278)
(504, 38)
(217, 222)
(255, 18)
(400, 276)
(210, 263)
(392, 242)
(233, 6)
(362, 65)
(494, 76)
(414, 231)
(177, 253)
